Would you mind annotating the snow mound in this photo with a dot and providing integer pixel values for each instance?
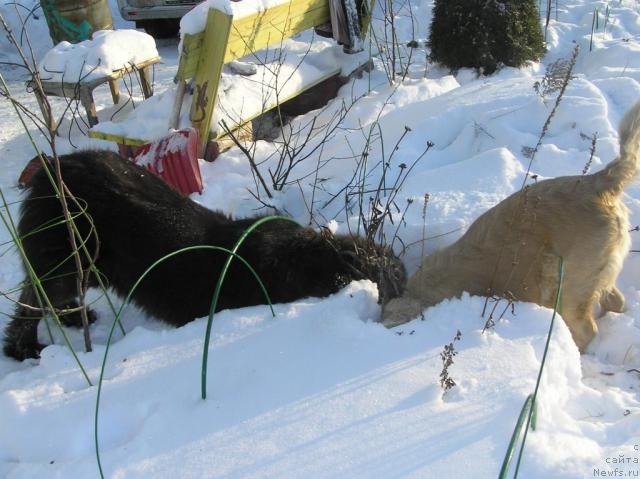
(107, 51)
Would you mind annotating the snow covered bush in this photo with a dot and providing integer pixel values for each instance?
(485, 34)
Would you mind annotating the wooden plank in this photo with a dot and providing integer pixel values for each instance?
(86, 98)
(145, 82)
(123, 140)
(45, 108)
(263, 29)
(133, 67)
(208, 74)
(189, 56)
(181, 88)
(56, 88)
(244, 134)
(115, 91)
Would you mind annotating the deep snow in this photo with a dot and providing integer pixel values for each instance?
(321, 390)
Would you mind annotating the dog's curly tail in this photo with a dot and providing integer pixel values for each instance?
(621, 170)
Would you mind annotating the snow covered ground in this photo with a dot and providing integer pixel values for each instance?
(321, 390)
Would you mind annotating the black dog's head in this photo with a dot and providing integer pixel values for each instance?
(310, 263)
(362, 260)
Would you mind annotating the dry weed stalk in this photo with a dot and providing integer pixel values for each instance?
(48, 129)
(559, 75)
(293, 145)
(396, 56)
(592, 150)
(448, 353)
(490, 323)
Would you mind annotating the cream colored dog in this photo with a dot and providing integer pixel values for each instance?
(513, 249)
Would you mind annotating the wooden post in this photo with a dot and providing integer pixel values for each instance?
(115, 91)
(145, 81)
(86, 98)
(214, 46)
(174, 121)
(47, 114)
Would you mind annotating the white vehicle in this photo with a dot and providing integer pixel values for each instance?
(159, 18)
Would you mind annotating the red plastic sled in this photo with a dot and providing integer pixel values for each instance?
(174, 158)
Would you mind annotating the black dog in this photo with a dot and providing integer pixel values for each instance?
(138, 219)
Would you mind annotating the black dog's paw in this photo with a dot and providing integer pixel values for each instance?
(74, 319)
(20, 351)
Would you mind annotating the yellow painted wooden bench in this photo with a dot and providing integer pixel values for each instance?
(223, 40)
